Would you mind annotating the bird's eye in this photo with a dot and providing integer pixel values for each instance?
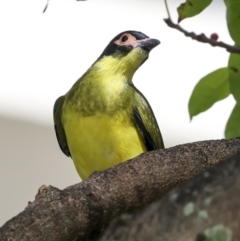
(124, 38)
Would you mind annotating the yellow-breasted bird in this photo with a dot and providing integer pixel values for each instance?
(104, 119)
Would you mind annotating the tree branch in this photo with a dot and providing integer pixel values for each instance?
(83, 211)
(202, 37)
(205, 208)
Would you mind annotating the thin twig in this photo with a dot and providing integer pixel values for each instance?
(202, 37)
(168, 12)
(44, 10)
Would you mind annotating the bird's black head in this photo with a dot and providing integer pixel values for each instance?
(125, 54)
(126, 41)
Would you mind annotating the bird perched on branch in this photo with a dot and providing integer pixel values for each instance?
(104, 120)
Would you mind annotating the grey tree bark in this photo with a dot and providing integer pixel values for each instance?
(206, 208)
(84, 211)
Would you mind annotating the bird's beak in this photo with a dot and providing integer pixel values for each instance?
(147, 44)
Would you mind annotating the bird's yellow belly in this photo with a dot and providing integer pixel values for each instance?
(101, 141)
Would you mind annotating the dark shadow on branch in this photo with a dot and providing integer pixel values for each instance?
(202, 37)
(83, 211)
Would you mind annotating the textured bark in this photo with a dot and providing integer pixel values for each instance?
(206, 208)
(83, 211)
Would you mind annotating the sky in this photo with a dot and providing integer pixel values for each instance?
(42, 55)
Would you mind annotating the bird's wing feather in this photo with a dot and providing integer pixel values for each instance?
(147, 124)
(59, 130)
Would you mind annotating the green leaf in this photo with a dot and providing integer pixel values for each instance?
(234, 75)
(209, 90)
(233, 19)
(191, 8)
(233, 125)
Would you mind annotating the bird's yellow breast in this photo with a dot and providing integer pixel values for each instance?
(97, 116)
(100, 141)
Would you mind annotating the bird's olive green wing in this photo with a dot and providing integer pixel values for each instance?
(147, 124)
(60, 133)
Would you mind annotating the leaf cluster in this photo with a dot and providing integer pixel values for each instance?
(224, 81)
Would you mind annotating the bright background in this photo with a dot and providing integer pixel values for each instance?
(42, 55)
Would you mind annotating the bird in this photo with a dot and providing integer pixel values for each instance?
(104, 120)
